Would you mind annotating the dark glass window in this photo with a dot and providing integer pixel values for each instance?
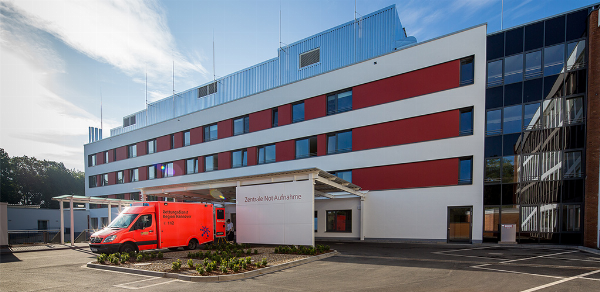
(167, 169)
(210, 132)
(104, 178)
(493, 123)
(552, 87)
(576, 24)
(491, 195)
(514, 41)
(339, 221)
(513, 69)
(572, 190)
(574, 136)
(191, 166)
(576, 55)
(241, 125)
(509, 144)
(131, 151)
(151, 172)
(495, 46)
(508, 170)
(186, 138)
(492, 170)
(571, 218)
(92, 160)
(533, 64)
(494, 96)
(509, 194)
(555, 31)
(554, 59)
(134, 175)
(306, 147)
(266, 154)
(467, 73)
(275, 117)
(512, 120)
(532, 90)
(298, 112)
(339, 142)
(151, 144)
(220, 214)
(340, 102)
(532, 116)
(513, 94)
(465, 171)
(466, 122)
(345, 175)
(172, 141)
(239, 158)
(575, 83)
(93, 181)
(493, 146)
(534, 36)
(120, 178)
(106, 157)
(494, 73)
(573, 164)
(211, 162)
(574, 110)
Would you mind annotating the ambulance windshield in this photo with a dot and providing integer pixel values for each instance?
(122, 221)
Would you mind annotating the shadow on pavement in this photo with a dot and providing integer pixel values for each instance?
(8, 258)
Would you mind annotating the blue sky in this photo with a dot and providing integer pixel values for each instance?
(59, 57)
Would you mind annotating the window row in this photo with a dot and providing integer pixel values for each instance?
(545, 166)
(534, 192)
(550, 113)
(546, 218)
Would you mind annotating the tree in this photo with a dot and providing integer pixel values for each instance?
(8, 190)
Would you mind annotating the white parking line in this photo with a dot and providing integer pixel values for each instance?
(542, 256)
(561, 281)
(514, 272)
(143, 287)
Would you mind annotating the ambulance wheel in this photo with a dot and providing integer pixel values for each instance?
(191, 245)
(128, 248)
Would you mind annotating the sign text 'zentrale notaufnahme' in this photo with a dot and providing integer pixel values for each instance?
(289, 197)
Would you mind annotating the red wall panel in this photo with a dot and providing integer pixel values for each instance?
(284, 115)
(315, 107)
(285, 150)
(163, 143)
(260, 120)
(126, 176)
(321, 144)
(224, 160)
(179, 167)
(143, 173)
(423, 81)
(417, 129)
(141, 148)
(225, 128)
(111, 155)
(442, 172)
(121, 153)
(99, 158)
(159, 170)
(178, 140)
(201, 164)
(196, 135)
(252, 155)
(112, 178)
(98, 178)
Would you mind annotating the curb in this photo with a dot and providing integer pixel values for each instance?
(221, 278)
(8, 251)
(589, 250)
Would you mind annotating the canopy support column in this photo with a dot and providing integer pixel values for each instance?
(72, 222)
(62, 222)
(143, 194)
(109, 214)
(362, 218)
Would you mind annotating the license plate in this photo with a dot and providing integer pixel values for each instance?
(93, 249)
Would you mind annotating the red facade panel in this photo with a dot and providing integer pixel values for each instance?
(126, 176)
(159, 170)
(285, 150)
(225, 128)
(179, 167)
(423, 81)
(315, 107)
(112, 178)
(98, 178)
(201, 164)
(121, 153)
(99, 158)
(196, 135)
(442, 172)
(178, 140)
(252, 155)
(284, 113)
(224, 160)
(163, 143)
(418, 129)
(143, 173)
(111, 155)
(141, 148)
(321, 144)
(260, 120)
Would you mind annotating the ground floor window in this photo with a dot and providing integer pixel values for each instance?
(339, 221)
(94, 223)
(104, 222)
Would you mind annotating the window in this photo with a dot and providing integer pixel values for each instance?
(513, 69)
(310, 57)
(573, 164)
(467, 72)
(186, 138)
(211, 162)
(344, 174)
(92, 181)
(120, 177)
(340, 102)
(553, 113)
(94, 223)
(241, 125)
(553, 59)
(167, 169)
(151, 172)
(239, 158)
(172, 141)
(466, 122)
(576, 55)
(131, 151)
(266, 154)
(339, 142)
(306, 147)
(533, 64)
(509, 173)
(571, 215)
(494, 73)
(104, 181)
(574, 110)
(145, 221)
(92, 160)
(492, 170)
(207, 89)
(275, 117)
(512, 119)
(316, 221)
(104, 221)
(531, 116)
(492, 123)
(339, 221)
(298, 112)
(465, 171)
(128, 121)
(114, 154)
(151, 144)
(191, 166)
(210, 132)
(42, 224)
(134, 175)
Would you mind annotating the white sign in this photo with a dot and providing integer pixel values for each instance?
(281, 213)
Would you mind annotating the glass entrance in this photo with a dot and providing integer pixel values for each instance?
(460, 224)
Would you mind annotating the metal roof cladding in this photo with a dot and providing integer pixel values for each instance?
(372, 35)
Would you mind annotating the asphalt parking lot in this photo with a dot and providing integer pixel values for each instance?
(360, 267)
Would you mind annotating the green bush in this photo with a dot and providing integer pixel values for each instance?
(224, 269)
(200, 269)
(263, 262)
(190, 263)
(114, 258)
(248, 260)
(244, 265)
(176, 265)
(256, 251)
(236, 268)
(140, 257)
(124, 257)
(102, 258)
(160, 255)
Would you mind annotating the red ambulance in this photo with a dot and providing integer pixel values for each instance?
(155, 225)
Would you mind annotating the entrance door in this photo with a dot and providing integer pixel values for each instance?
(460, 224)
